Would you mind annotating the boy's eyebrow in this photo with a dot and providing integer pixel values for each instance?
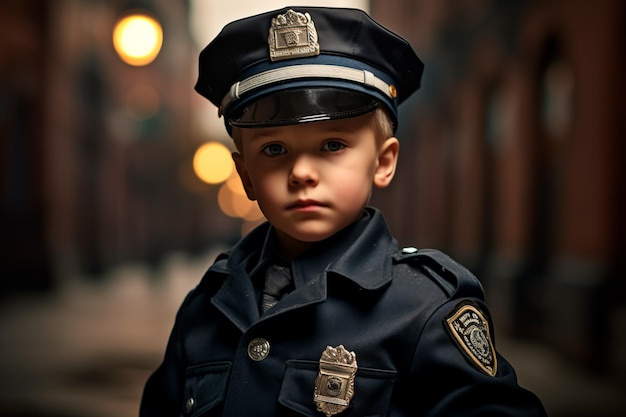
(330, 127)
(348, 129)
(261, 133)
(340, 130)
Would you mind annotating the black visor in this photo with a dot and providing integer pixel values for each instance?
(288, 107)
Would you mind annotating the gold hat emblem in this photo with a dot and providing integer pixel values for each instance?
(292, 35)
(334, 385)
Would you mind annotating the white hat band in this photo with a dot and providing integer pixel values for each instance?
(307, 71)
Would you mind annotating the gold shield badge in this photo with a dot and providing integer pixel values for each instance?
(292, 35)
(334, 385)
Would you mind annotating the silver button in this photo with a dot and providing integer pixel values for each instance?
(258, 349)
(409, 249)
(189, 405)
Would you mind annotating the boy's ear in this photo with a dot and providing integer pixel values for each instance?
(243, 174)
(387, 161)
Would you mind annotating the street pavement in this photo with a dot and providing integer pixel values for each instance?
(87, 349)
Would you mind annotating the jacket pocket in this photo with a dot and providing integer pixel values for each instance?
(372, 390)
(205, 386)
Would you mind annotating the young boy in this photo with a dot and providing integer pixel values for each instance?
(317, 312)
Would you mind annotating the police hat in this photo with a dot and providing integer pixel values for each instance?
(301, 64)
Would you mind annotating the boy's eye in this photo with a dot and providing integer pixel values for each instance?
(333, 146)
(274, 149)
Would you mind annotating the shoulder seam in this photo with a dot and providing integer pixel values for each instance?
(447, 273)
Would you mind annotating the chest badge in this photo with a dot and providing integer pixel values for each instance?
(334, 385)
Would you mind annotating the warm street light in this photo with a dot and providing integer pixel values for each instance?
(137, 39)
(212, 163)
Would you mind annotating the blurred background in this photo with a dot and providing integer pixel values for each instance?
(117, 192)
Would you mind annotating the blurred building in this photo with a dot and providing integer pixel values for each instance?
(95, 153)
(512, 154)
(513, 159)
(25, 258)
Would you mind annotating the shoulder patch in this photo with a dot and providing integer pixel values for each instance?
(469, 328)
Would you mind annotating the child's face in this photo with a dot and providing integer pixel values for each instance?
(312, 180)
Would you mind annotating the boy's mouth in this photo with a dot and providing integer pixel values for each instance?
(305, 204)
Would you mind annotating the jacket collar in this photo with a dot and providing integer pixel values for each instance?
(357, 253)
(354, 253)
(361, 253)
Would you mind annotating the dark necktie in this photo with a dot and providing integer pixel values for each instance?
(277, 284)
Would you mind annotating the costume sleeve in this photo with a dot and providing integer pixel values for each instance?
(457, 372)
(163, 391)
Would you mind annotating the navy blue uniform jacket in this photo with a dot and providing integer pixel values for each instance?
(357, 289)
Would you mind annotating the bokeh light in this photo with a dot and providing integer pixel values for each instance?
(233, 201)
(212, 163)
(137, 39)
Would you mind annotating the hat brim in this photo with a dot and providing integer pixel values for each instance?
(302, 105)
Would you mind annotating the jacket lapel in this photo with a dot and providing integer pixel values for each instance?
(358, 253)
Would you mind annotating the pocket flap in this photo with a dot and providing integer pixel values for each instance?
(205, 386)
(372, 390)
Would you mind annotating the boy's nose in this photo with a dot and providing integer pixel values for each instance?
(303, 172)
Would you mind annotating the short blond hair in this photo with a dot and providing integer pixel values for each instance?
(384, 125)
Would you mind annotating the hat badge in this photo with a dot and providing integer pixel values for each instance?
(334, 385)
(292, 35)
